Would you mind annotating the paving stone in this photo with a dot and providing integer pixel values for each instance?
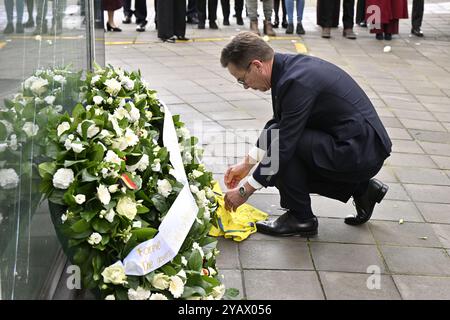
(404, 260)
(395, 210)
(435, 212)
(233, 279)
(428, 193)
(396, 192)
(406, 234)
(442, 162)
(282, 254)
(398, 133)
(430, 136)
(354, 286)
(406, 146)
(282, 285)
(326, 207)
(419, 115)
(439, 149)
(411, 160)
(269, 203)
(386, 174)
(345, 257)
(421, 176)
(443, 233)
(335, 230)
(423, 287)
(422, 125)
(228, 257)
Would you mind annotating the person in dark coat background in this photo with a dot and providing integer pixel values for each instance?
(391, 12)
(417, 17)
(171, 19)
(325, 137)
(111, 6)
(361, 13)
(328, 16)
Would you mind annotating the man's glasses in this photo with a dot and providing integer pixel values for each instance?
(242, 81)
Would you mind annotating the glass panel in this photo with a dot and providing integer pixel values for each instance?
(36, 36)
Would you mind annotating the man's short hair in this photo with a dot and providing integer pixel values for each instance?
(245, 47)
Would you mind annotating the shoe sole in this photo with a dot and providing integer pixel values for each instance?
(304, 234)
(384, 189)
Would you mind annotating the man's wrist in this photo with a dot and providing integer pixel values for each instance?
(249, 189)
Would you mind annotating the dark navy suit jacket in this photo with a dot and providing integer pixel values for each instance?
(309, 93)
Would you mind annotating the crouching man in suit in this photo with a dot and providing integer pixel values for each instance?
(325, 137)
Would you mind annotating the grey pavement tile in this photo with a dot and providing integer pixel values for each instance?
(391, 122)
(435, 212)
(405, 234)
(394, 210)
(428, 193)
(419, 115)
(229, 256)
(326, 207)
(201, 97)
(423, 287)
(439, 149)
(282, 254)
(238, 95)
(345, 257)
(421, 176)
(386, 174)
(406, 146)
(398, 133)
(282, 285)
(443, 233)
(411, 160)
(208, 107)
(422, 125)
(355, 286)
(431, 136)
(419, 261)
(233, 279)
(269, 203)
(335, 230)
(442, 162)
(442, 116)
(396, 192)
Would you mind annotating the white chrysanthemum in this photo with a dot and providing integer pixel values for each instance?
(127, 207)
(98, 100)
(110, 215)
(63, 178)
(103, 194)
(8, 178)
(110, 297)
(30, 129)
(50, 99)
(29, 81)
(158, 296)
(135, 115)
(91, 131)
(80, 198)
(121, 113)
(202, 201)
(131, 138)
(196, 246)
(95, 238)
(39, 86)
(115, 274)
(113, 86)
(59, 108)
(138, 294)
(164, 187)
(176, 286)
(60, 79)
(112, 157)
(160, 281)
(127, 83)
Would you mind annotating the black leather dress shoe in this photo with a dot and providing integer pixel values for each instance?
(288, 225)
(365, 203)
(417, 32)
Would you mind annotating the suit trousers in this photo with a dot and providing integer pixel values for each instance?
(140, 10)
(212, 10)
(302, 177)
(238, 8)
(417, 13)
(361, 11)
(328, 13)
(171, 18)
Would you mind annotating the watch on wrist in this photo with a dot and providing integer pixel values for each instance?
(242, 191)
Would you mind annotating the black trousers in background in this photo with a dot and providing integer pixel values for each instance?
(361, 11)
(140, 10)
(417, 13)
(238, 8)
(171, 18)
(301, 177)
(328, 13)
(192, 9)
(276, 9)
(212, 10)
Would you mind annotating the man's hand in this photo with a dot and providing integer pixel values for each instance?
(236, 173)
(234, 200)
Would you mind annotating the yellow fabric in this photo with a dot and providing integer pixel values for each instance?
(236, 225)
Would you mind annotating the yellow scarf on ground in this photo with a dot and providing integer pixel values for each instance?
(237, 225)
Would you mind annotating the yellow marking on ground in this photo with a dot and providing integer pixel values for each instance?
(49, 37)
(111, 43)
(301, 48)
(2, 45)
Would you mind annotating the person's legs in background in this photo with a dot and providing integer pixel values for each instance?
(417, 17)
(290, 15)
(127, 12)
(300, 9)
(30, 21)
(212, 14)
(41, 17)
(58, 9)
(238, 8)
(347, 19)
(267, 8)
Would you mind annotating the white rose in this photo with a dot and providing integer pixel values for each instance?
(202, 201)
(50, 99)
(113, 188)
(138, 294)
(105, 134)
(160, 281)
(176, 286)
(98, 100)
(60, 79)
(112, 157)
(218, 292)
(143, 163)
(113, 86)
(63, 127)
(212, 272)
(115, 274)
(8, 178)
(134, 114)
(68, 144)
(94, 238)
(63, 178)
(158, 296)
(110, 297)
(110, 215)
(39, 86)
(209, 193)
(77, 146)
(91, 131)
(164, 188)
(120, 143)
(28, 82)
(127, 207)
(127, 83)
(131, 138)
(30, 129)
(103, 194)
(80, 198)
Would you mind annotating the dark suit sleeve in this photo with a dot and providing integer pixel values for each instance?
(296, 102)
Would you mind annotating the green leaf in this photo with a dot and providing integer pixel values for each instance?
(96, 154)
(57, 196)
(231, 293)
(69, 163)
(88, 215)
(78, 111)
(80, 226)
(47, 170)
(190, 291)
(195, 261)
(81, 255)
(144, 234)
(3, 132)
(87, 177)
(160, 203)
(170, 271)
(101, 225)
(142, 209)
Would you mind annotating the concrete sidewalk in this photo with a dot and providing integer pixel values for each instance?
(410, 87)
